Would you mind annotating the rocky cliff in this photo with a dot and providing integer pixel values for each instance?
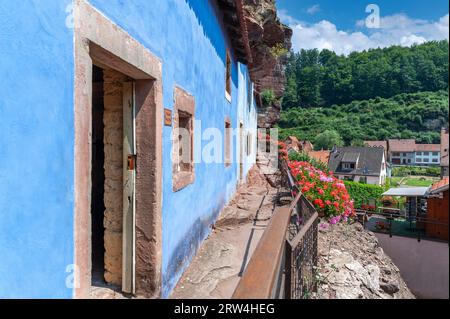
(270, 42)
(352, 265)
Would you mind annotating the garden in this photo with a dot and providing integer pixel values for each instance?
(327, 193)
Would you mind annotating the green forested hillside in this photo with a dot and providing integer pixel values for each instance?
(395, 92)
(323, 78)
(407, 115)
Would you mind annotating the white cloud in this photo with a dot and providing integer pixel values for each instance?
(396, 29)
(284, 17)
(313, 9)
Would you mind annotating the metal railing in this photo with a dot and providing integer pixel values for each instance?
(301, 252)
(284, 262)
(417, 224)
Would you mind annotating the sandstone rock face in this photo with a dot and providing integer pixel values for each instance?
(266, 33)
(113, 140)
(353, 266)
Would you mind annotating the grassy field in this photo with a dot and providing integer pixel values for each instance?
(419, 182)
(413, 181)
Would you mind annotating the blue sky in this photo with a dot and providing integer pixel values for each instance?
(341, 25)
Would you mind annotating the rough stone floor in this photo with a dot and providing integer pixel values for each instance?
(218, 265)
(352, 265)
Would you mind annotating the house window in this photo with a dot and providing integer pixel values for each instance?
(426, 153)
(183, 140)
(419, 153)
(348, 165)
(418, 160)
(227, 143)
(426, 160)
(435, 154)
(435, 160)
(396, 154)
(228, 77)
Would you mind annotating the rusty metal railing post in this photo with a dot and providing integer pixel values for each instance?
(288, 271)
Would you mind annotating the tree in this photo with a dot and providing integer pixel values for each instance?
(328, 139)
(290, 99)
(322, 78)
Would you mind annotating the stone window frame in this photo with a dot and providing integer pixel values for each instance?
(228, 75)
(183, 102)
(100, 41)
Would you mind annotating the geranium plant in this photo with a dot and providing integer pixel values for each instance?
(327, 193)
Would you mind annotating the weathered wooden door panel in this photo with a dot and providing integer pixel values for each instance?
(129, 176)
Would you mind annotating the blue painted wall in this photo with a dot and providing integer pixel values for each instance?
(36, 133)
(187, 36)
(36, 148)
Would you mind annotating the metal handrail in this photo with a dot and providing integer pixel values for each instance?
(276, 268)
(260, 276)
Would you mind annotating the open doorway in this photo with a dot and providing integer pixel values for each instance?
(112, 178)
(98, 180)
(143, 70)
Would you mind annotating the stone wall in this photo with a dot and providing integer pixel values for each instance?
(113, 140)
(267, 70)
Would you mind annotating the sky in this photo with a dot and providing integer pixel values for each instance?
(344, 25)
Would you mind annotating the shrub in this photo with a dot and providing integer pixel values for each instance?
(279, 50)
(268, 97)
(363, 193)
(403, 171)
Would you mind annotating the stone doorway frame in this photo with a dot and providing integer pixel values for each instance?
(101, 42)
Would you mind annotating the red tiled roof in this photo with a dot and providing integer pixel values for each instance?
(408, 145)
(322, 156)
(376, 144)
(306, 146)
(292, 139)
(440, 185)
(428, 147)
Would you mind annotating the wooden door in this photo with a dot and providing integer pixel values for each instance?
(129, 177)
(241, 152)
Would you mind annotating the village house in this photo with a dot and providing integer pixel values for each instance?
(321, 156)
(98, 185)
(382, 144)
(359, 164)
(401, 152)
(408, 152)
